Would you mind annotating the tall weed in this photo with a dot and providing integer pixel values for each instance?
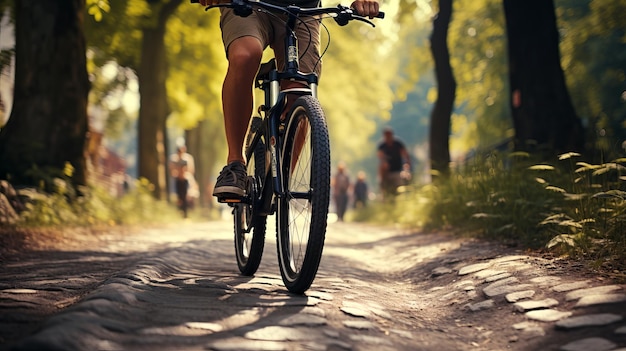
(570, 207)
(95, 206)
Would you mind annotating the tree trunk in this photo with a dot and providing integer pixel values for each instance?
(446, 90)
(543, 114)
(154, 109)
(48, 124)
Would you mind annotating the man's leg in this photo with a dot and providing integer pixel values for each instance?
(244, 58)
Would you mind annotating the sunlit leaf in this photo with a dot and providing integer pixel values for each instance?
(619, 194)
(555, 189)
(567, 239)
(570, 223)
(541, 180)
(575, 197)
(555, 219)
(68, 170)
(584, 166)
(609, 167)
(484, 215)
(616, 166)
(568, 155)
(541, 168)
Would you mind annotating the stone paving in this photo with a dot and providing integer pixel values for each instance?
(520, 281)
(374, 291)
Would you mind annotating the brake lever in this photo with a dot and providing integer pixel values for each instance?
(363, 19)
(348, 14)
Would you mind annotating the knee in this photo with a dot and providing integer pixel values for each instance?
(245, 56)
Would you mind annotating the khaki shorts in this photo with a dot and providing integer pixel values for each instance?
(391, 181)
(270, 31)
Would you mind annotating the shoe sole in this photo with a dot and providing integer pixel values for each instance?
(228, 192)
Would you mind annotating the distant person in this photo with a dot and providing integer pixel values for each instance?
(341, 185)
(394, 163)
(360, 191)
(182, 168)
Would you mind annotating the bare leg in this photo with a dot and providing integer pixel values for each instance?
(244, 58)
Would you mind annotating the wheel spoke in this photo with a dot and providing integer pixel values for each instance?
(303, 209)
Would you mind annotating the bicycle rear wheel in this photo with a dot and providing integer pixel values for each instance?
(302, 212)
(249, 225)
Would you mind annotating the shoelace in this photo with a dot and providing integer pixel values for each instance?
(235, 170)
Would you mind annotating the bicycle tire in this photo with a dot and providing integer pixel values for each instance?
(249, 226)
(302, 213)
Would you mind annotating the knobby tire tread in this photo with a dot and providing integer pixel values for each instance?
(320, 182)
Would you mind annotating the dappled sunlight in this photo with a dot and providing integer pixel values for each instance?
(186, 329)
(385, 249)
(180, 232)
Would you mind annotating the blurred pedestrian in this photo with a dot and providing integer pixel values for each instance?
(360, 191)
(394, 163)
(182, 168)
(341, 185)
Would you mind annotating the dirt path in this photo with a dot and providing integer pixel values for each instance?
(178, 288)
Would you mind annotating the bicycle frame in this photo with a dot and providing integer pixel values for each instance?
(274, 106)
(272, 126)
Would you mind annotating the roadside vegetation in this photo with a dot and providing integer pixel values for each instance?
(568, 207)
(93, 207)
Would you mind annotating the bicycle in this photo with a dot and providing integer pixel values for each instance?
(288, 161)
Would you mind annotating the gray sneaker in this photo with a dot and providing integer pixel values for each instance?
(231, 183)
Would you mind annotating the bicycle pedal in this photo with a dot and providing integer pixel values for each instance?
(229, 201)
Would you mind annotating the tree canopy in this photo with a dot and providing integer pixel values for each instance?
(371, 76)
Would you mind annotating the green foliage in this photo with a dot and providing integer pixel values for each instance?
(596, 82)
(97, 8)
(568, 207)
(354, 55)
(197, 67)
(95, 207)
(477, 42)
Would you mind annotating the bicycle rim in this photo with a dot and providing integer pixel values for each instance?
(303, 211)
(249, 226)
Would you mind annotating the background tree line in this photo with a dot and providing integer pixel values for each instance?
(542, 72)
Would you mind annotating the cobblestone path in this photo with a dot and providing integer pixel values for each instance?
(377, 289)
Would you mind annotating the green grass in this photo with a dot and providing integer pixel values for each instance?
(569, 207)
(96, 207)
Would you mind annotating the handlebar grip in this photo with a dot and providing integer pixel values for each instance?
(380, 14)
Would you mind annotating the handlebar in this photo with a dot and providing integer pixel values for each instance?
(341, 14)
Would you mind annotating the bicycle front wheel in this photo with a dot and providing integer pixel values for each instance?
(303, 210)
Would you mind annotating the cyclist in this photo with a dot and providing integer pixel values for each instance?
(244, 39)
(394, 160)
